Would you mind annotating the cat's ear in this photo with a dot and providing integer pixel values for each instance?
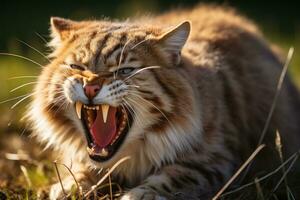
(61, 28)
(173, 41)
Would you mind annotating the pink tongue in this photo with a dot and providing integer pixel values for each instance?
(104, 133)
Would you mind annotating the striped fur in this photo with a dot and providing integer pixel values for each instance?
(197, 116)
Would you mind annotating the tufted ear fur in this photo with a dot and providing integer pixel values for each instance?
(173, 41)
(61, 29)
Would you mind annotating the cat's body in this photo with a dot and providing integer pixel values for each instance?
(196, 117)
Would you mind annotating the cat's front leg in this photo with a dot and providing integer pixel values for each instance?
(183, 180)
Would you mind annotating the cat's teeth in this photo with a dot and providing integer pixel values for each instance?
(105, 108)
(78, 106)
(103, 152)
(90, 150)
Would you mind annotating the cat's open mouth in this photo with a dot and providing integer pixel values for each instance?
(105, 128)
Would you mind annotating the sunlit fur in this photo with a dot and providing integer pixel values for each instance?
(204, 101)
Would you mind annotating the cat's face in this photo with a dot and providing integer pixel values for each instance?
(116, 84)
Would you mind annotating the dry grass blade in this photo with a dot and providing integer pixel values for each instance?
(110, 187)
(105, 176)
(59, 178)
(252, 156)
(274, 102)
(260, 194)
(278, 89)
(294, 156)
(279, 149)
(25, 172)
(19, 156)
(285, 174)
(75, 180)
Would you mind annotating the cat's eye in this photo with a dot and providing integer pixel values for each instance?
(125, 70)
(78, 67)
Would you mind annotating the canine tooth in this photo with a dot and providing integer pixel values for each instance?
(90, 150)
(78, 106)
(103, 152)
(105, 108)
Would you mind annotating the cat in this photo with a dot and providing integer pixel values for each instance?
(185, 95)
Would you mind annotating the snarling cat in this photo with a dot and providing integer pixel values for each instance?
(185, 95)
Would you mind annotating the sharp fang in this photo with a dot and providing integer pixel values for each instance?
(78, 106)
(105, 108)
(90, 150)
(103, 152)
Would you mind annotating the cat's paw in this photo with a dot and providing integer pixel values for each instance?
(142, 194)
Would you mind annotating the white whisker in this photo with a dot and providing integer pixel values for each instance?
(134, 112)
(121, 57)
(41, 37)
(23, 57)
(31, 83)
(164, 115)
(139, 43)
(20, 77)
(124, 107)
(140, 70)
(21, 100)
(14, 98)
(23, 85)
(36, 50)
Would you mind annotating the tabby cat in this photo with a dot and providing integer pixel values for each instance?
(185, 95)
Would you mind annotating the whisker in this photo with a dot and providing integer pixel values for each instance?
(20, 101)
(133, 111)
(23, 85)
(124, 107)
(36, 50)
(41, 37)
(137, 104)
(20, 77)
(140, 70)
(65, 103)
(139, 43)
(164, 115)
(31, 83)
(121, 57)
(14, 98)
(135, 86)
(22, 57)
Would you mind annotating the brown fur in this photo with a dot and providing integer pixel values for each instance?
(211, 103)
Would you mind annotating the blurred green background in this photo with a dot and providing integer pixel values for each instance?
(28, 21)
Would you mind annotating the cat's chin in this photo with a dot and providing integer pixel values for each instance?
(105, 129)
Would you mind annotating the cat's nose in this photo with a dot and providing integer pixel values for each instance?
(91, 90)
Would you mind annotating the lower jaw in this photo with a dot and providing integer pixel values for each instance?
(99, 154)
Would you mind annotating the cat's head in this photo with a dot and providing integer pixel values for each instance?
(115, 89)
